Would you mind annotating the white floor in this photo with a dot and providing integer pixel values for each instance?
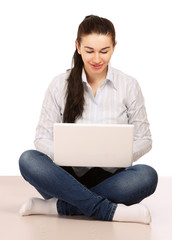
(14, 191)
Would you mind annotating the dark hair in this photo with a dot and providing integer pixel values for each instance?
(75, 90)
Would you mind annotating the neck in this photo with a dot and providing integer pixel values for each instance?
(96, 78)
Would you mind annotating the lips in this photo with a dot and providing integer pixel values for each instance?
(97, 66)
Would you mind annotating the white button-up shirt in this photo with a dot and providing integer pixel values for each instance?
(118, 100)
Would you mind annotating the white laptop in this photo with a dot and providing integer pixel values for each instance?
(93, 145)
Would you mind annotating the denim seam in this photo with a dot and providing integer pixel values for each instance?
(111, 214)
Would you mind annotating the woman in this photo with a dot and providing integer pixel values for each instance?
(91, 92)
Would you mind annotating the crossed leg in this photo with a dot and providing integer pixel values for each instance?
(126, 189)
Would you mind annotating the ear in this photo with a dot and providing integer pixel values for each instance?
(78, 47)
(114, 45)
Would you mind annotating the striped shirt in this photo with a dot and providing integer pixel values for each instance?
(118, 100)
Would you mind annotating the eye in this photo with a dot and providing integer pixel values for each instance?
(89, 51)
(104, 52)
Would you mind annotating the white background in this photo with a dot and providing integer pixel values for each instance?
(37, 43)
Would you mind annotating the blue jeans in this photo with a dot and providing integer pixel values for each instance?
(95, 194)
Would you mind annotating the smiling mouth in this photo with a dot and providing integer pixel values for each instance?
(99, 66)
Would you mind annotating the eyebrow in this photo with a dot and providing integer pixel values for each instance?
(93, 48)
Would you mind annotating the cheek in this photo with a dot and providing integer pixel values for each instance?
(86, 57)
(107, 58)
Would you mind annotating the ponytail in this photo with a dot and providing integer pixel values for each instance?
(75, 92)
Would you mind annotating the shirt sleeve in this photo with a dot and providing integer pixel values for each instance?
(50, 113)
(138, 117)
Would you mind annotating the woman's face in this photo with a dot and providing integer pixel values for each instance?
(96, 51)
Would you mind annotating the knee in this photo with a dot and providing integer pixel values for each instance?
(34, 163)
(25, 160)
(148, 175)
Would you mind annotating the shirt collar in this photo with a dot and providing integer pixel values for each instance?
(109, 76)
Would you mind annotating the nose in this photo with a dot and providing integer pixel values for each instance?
(96, 58)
